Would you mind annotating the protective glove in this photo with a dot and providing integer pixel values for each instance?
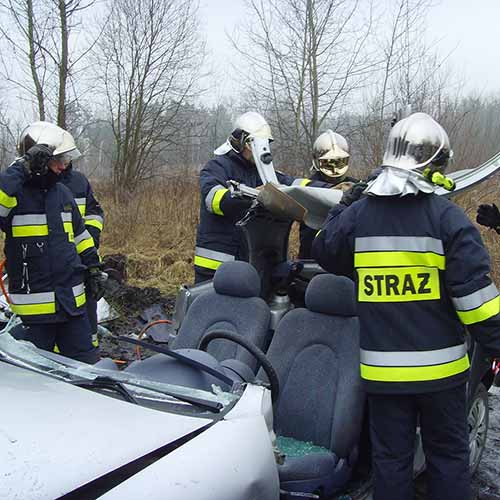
(36, 160)
(489, 216)
(96, 283)
(353, 194)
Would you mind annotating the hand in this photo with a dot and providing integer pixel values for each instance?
(36, 160)
(343, 186)
(353, 194)
(488, 215)
(96, 283)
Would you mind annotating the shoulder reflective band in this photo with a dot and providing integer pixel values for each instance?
(7, 203)
(375, 251)
(478, 306)
(83, 241)
(79, 294)
(213, 199)
(417, 366)
(95, 221)
(396, 284)
(29, 225)
(33, 303)
(210, 259)
(67, 219)
(81, 204)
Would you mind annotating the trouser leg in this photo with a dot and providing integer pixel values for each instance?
(43, 335)
(443, 422)
(393, 421)
(202, 274)
(92, 315)
(74, 339)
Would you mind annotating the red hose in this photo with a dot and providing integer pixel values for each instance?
(144, 330)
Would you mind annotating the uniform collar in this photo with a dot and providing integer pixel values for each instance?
(398, 182)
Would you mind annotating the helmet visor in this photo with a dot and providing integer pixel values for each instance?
(334, 168)
(67, 157)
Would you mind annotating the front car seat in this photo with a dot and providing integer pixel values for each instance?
(233, 305)
(315, 352)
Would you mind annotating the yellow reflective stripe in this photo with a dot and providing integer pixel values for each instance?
(95, 340)
(80, 299)
(94, 223)
(305, 182)
(56, 349)
(216, 201)
(84, 244)
(483, 312)
(68, 227)
(206, 263)
(25, 231)
(6, 200)
(396, 259)
(81, 209)
(32, 309)
(398, 284)
(414, 373)
(317, 234)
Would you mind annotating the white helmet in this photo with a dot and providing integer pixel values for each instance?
(416, 142)
(331, 154)
(247, 126)
(57, 139)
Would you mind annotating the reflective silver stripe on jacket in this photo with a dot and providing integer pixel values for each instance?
(94, 217)
(29, 220)
(398, 243)
(212, 254)
(82, 236)
(209, 198)
(32, 298)
(475, 299)
(78, 289)
(66, 216)
(4, 211)
(413, 358)
(80, 201)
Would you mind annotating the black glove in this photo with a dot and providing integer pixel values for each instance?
(36, 160)
(489, 216)
(353, 194)
(96, 283)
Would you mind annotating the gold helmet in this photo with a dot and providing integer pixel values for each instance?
(331, 155)
(58, 140)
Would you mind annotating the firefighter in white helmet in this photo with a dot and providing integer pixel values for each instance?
(217, 238)
(422, 278)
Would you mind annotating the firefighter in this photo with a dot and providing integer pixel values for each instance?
(217, 238)
(93, 216)
(330, 165)
(422, 278)
(49, 253)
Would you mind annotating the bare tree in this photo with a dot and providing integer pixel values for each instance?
(307, 58)
(40, 44)
(149, 58)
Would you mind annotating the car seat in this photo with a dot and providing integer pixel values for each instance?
(315, 352)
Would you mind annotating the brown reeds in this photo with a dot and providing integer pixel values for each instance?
(155, 228)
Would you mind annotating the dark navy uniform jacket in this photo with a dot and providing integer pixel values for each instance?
(217, 238)
(47, 248)
(306, 233)
(422, 278)
(89, 207)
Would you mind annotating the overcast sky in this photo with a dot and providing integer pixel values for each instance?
(468, 30)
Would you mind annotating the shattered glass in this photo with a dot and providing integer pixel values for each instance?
(294, 448)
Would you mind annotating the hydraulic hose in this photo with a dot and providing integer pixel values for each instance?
(144, 330)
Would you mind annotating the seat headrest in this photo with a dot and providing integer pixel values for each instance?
(330, 294)
(238, 279)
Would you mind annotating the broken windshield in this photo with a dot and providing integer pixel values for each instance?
(25, 354)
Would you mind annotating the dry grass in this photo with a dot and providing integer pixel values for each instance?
(156, 229)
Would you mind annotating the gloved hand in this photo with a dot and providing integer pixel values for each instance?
(96, 283)
(36, 160)
(489, 216)
(353, 194)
